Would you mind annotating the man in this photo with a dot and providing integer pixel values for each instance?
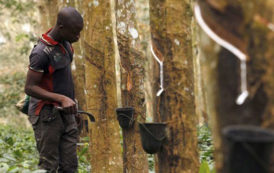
(49, 83)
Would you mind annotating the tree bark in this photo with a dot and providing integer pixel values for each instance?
(101, 96)
(221, 71)
(47, 14)
(132, 84)
(142, 21)
(199, 84)
(170, 22)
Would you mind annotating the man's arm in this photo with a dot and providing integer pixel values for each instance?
(32, 89)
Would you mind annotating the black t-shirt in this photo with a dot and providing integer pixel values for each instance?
(53, 59)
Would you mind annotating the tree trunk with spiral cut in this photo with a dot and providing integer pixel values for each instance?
(171, 35)
(221, 69)
(101, 98)
(132, 84)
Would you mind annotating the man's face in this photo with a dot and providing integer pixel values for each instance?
(71, 32)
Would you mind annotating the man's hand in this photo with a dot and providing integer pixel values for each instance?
(68, 105)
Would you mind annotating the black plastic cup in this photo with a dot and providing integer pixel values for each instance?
(249, 149)
(125, 116)
(152, 136)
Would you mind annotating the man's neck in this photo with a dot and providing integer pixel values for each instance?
(54, 35)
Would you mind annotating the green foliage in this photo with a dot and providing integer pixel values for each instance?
(16, 15)
(83, 155)
(17, 7)
(204, 168)
(18, 152)
(11, 89)
(21, 36)
(206, 149)
(26, 39)
(151, 162)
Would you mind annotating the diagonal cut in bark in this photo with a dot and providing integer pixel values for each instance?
(220, 23)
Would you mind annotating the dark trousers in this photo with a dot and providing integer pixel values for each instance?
(56, 138)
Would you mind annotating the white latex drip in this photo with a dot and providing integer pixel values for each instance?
(244, 93)
(161, 72)
(271, 26)
(238, 53)
(215, 37)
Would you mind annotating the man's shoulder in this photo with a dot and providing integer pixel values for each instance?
(42, 49)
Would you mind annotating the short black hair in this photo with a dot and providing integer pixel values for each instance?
(68, 16)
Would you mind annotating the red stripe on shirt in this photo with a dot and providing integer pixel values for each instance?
(47, 84)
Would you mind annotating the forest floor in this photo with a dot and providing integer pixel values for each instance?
(18, 151)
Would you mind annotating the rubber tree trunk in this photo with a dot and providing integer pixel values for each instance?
(221, 71)
(170, 22)
(142, 20)
(132, 84)
(105, 147)
(47, 14)
(199, 84)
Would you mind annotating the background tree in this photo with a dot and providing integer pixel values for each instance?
(221, 69)
(199, 84)
(132, 84)
(48, 11)
(170, 23)
(101, 95)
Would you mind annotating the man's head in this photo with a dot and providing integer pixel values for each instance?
(70, 24)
